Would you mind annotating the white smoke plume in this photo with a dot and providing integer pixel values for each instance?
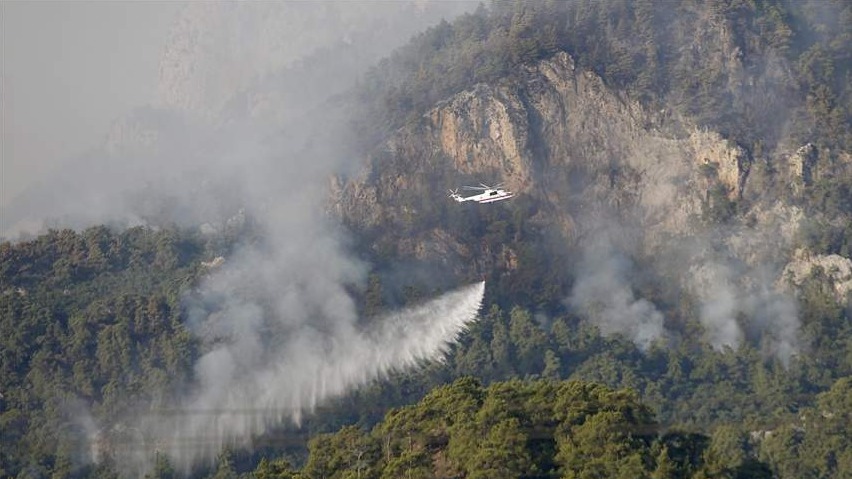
(775, 317)
(250, 125)
(739, 302)
(735, 273)
(231, 74)
(720, 302)
(603, 294)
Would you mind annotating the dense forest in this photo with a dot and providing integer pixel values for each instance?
(95, 320)
(670, 54)
(89, 316)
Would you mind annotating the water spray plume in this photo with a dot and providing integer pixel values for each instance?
(243, 394)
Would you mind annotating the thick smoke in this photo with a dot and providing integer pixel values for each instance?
(719, 296)
(732, 272)
(603, 293)
(249, 126)
(739, 303)
(231, 74)
(775, 318)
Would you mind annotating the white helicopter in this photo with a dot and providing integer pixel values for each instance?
(490, 194)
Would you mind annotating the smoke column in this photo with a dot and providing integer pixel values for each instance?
(604, 295)
(231, 75)
(251, 124)
(716, 289)
(739, 302)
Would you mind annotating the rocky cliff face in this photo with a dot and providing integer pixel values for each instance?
(559, 136)
(607, 182)
(834, 268)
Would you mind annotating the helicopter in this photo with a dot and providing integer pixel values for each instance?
(490, 194)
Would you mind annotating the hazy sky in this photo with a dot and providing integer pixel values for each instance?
(69, 68)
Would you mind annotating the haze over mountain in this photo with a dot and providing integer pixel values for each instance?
(225, 142)
(681, 226)
(69, 70)
(218, 76)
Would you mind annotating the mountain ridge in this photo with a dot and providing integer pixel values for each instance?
(684, 236)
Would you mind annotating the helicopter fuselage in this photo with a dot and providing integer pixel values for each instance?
(487, 196)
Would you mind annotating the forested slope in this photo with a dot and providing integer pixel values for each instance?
(537, 429)
(758, 71)
(89, 319)
(96, 320)
(107, 330)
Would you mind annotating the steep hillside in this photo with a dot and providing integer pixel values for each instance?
(561, 139)
(621, 184)
(682, 227)
(589, 165)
